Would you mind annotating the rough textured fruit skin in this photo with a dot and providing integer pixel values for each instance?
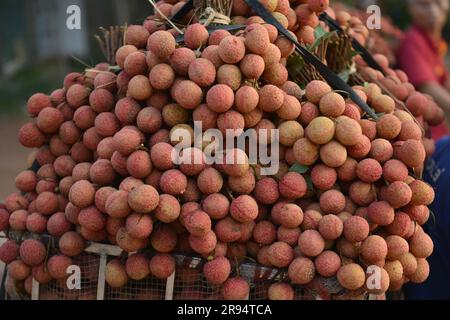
(196, 36)
(327, 263)
(162, 266)
(9, 251)
(231, 49)
(271, 98)
(280, 254)
(18, 270)
(82, 194)
(305, 152)
(137, 267)
(115, 274)
(374, 249)
(57, 266)
(217, 270)
(292, 186)
(267, 191)
(381, 213)
(351, 276)
(244, 209)
(161, 43)
(235, 289)
(311, 243)
(71, 244)
(143, 199)
(320, 130)
(421, 245)
(315, 90)
(220, 98)
(280, 291)
(356, 229)
(264, 233)
(301, 271)
(331, 227)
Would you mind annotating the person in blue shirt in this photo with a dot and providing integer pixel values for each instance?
(437, 174)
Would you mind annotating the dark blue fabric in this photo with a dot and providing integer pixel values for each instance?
(437, 173)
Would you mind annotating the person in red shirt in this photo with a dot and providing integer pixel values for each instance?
(421, 54)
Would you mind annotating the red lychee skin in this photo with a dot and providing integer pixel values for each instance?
(217, 271)
(136, 36)
(168, 209)
(30, 136)
(58, 224)
(162, 266)
(356, 229)
(311, 243)
(400, 225)
(280, 254)
(220, 98)
(421, 245)
(198, 223)
(137, 267)
(173, 182)
(9, 251)
(369, 170)
(395, 170)
(374, 249)
(38, 102)
(18, 270)
(332, 202)
(149, 120)
(187, 94)
(210, 181)
(227, 230)
(143, 199)
(398, 194)
(47, 203)
(181, 59)
(381, 213)
(411, 152)
(36, 223)
(301, 271)
(139, 226)
(235, 289)
(266, 191)
(323, 177)
(91, 218)
(327, 263)
(71, 244)
(116, 204)
(40, 274)
(77, 95)
(127, 140)
(331, 227)
(244, 209)
(293, 186)
(82, 194)
(161, 156)
(205, 244)
(57, 266)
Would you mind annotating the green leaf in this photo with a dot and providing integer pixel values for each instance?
(309, 183)
(299, 168)
(320, 34)
(295, 65)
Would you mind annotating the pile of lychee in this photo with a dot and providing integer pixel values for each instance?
(345, 196)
